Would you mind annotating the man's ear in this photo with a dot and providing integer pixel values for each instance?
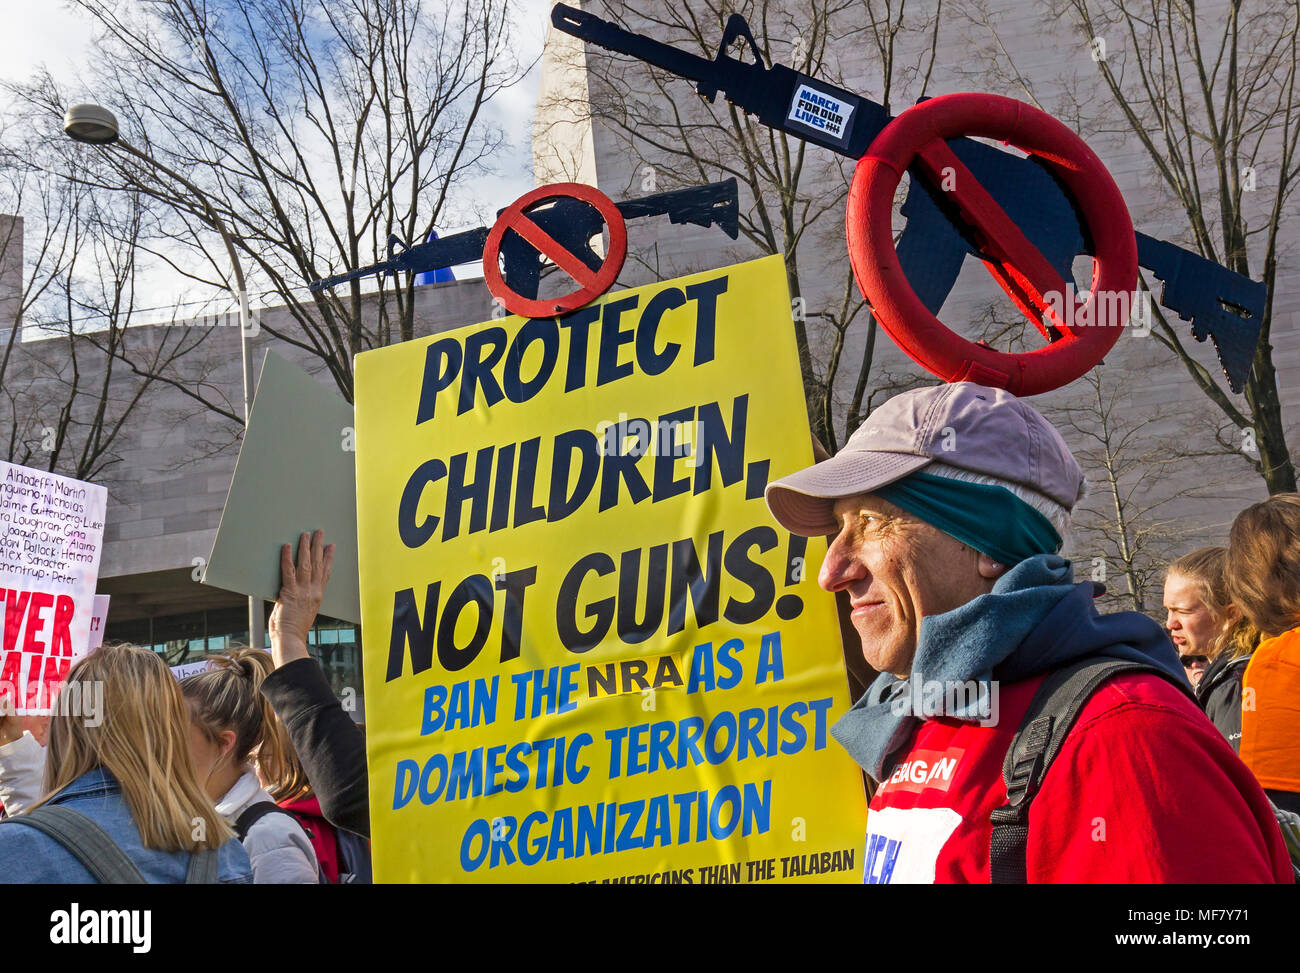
(991, 569)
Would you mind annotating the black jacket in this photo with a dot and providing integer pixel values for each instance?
(1220, 696)
(330, 746)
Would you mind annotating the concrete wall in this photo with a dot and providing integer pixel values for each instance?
(11, 273)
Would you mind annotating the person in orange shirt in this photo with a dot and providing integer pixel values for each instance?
(1264, 581)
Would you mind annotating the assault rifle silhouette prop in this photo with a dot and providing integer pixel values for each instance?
(1221, 304)
(569, 221)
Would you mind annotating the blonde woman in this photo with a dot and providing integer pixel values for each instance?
(123, 802)
(231, 723)
(1211, 633)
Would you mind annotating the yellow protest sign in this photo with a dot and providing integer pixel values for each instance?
(590, 652)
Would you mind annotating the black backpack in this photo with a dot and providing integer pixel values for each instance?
(1051, 714)
(254, 813)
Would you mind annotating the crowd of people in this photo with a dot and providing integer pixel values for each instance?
(1233, 614)
(189, 780)
(1118, 746)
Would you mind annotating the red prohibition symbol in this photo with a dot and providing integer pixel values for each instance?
(591, 284)
(1084, 331)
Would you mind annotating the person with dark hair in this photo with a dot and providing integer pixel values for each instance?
(1264, 581)
(1213, 638)
(230, 723)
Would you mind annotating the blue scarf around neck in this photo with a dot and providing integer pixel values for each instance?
(1035, 619)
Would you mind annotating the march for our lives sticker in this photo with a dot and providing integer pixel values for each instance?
(820, 111)
(903, 844)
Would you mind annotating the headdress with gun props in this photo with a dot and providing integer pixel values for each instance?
(1024, 196)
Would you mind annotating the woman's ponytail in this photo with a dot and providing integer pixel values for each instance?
(229, 697)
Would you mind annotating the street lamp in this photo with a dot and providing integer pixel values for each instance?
(96, 125)
(90, 123)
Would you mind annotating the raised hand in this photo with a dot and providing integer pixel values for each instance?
(302, 585)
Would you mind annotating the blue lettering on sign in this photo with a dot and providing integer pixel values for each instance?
(819, 111)
(882, 856)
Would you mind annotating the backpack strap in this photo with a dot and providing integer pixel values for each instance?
(86, 841)
(354, 859)
(1048, 720)
(254, 813)
(203, 867)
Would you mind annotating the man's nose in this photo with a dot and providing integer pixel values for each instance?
(1171, 622)
(842, 566)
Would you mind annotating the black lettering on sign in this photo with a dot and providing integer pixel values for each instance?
(748, 571)
(487, 361)
(566, 606)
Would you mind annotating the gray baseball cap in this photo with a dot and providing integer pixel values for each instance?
(972, 427)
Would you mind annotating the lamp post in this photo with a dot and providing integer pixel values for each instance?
(95, 125)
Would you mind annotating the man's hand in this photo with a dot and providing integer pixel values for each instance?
(301, 588)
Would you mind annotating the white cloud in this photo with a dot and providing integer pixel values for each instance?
(42, 32)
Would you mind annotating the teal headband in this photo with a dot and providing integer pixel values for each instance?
(991, 519)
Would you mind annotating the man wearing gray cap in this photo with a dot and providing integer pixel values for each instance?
(946, 511)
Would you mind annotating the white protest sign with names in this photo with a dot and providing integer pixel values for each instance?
(51, 539)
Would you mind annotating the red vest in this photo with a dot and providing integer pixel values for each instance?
(323, 838)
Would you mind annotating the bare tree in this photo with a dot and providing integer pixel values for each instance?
(311, 131)
(902, 72)
(1125, 530)
(35, 244)
(65, 403)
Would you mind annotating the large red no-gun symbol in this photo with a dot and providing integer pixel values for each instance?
(591, 283)
(1084, 332)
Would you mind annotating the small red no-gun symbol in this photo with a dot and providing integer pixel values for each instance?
(591, 283)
